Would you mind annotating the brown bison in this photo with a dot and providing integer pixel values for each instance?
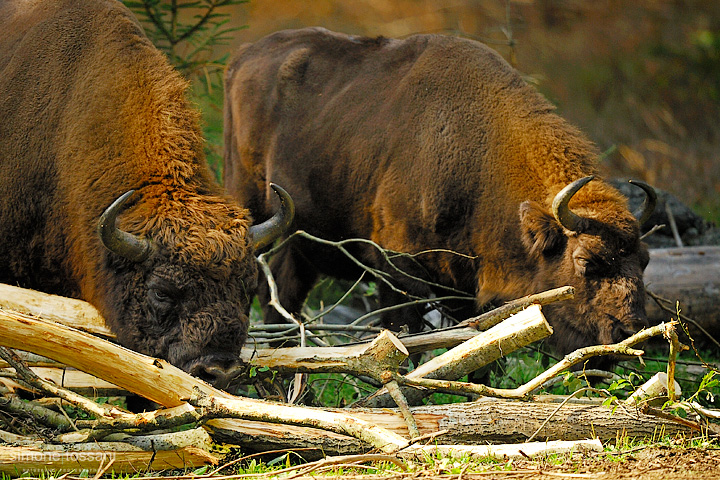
(431, 143)
(89, 110)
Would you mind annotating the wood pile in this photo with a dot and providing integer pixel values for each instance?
(72, 361)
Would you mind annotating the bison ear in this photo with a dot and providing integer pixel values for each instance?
(541, 233)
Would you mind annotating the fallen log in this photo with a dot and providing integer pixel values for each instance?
(473, 423)
(214, 403)
(97, 457)
(169, 386)
(522, 450)
(691, 276)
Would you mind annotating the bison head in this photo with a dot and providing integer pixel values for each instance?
(597, 251)
(182, 290)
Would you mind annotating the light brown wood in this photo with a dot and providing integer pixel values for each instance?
(155, 379)
(371, 358)
(76, 381)
(519, 330)
(521, 450)
(486, 421)
(164, 383)
(17, 460)
(69, 311)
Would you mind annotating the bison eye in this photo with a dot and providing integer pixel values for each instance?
(582, 265)
(160, 300)
(160, 296)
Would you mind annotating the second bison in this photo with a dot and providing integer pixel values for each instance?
(431, 144)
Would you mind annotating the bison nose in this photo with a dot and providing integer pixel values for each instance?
(218, 370)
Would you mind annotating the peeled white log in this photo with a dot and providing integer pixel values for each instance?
(519, 330)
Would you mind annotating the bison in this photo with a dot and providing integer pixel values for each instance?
(431, 144)
(91, 112)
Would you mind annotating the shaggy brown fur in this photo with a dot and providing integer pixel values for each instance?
(430, 142)
(90, 109)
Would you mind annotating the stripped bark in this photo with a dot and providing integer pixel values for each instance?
(162, 382)
(69, 311)
(15, 460)
(521, 329)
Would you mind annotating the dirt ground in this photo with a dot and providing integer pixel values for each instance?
(644, 464)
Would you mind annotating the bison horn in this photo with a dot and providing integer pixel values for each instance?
(267, 232)
(560, 209)
(648, 207)
(125, 244)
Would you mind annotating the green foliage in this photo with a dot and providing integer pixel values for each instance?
(188, 32)
(336, 390)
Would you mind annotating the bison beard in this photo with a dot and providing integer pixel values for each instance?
(90, 109)
(431, 142)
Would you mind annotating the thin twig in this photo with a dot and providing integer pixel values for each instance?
(258, 454)
(347, 459)
(275, 299)
(394, 389)
(675, 348)
(493, 317)
(651, 231)
(562, 404)
(342, 299)
(660, 301)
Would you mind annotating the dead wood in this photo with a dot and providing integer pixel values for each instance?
(163, 383)
(334, 421)
(72, 379)
(385, 352)
(379, 428)
(53, 390)
(98, 457)
(481, 422)
(69, 311)
(521, 329)
(690, 276)
(14, 405)
(490, 319)
(521, 450)
(525, 391)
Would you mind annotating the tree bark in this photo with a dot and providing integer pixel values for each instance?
(490, 421)
(473, 423)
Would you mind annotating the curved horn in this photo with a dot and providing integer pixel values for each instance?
(125, 244)
(648, 207)
(267, 232)
(560, 209)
